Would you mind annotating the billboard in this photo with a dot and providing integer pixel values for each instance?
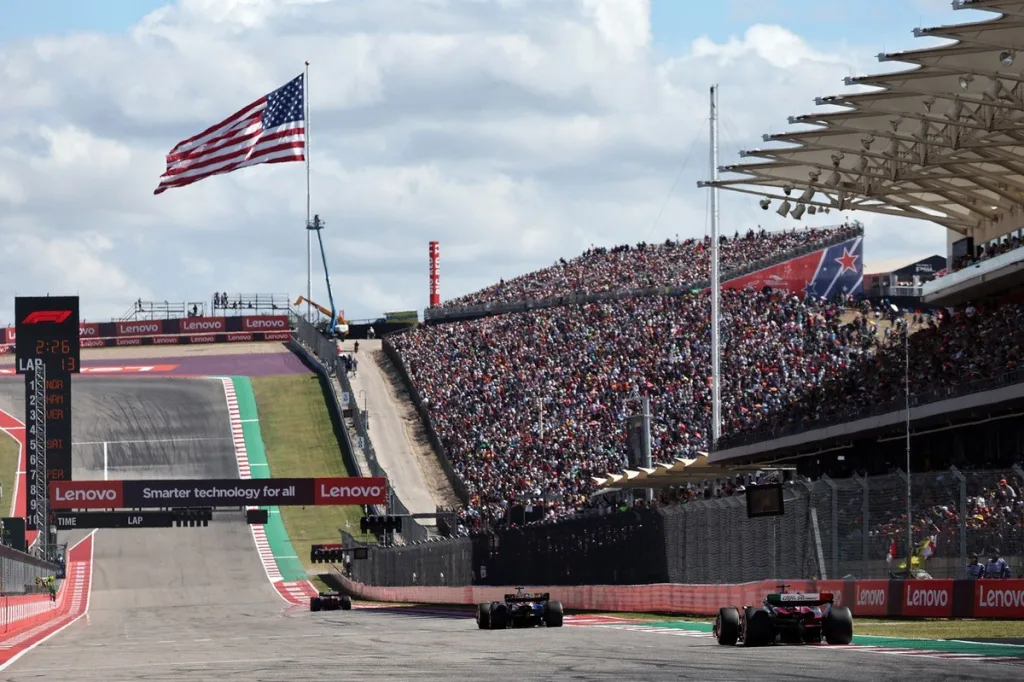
(232, 492)
(827, 273)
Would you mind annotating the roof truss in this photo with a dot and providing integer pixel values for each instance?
(942, 141)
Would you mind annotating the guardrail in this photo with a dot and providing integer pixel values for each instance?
(980, 599)
(440, 314)
(323, 352)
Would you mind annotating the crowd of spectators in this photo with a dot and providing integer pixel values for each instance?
(994, 519)
(671, 263)
(949, 352)
(986, 251)
(530, 406)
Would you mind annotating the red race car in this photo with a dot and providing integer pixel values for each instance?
(789, 618)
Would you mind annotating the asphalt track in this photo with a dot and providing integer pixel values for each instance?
(195, 604)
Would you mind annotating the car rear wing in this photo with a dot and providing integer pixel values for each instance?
(800, 599)
(526, 596)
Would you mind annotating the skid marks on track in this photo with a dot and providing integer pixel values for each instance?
(889, 651)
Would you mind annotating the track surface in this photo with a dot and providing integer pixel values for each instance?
(195, 604)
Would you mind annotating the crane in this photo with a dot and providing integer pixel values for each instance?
(338, 326)
(341, 324)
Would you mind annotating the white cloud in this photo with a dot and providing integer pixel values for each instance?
(513, 131)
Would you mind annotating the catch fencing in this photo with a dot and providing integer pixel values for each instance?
(18, 572)
(325, 352)
(832, 529)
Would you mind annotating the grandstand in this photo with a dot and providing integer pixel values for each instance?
(527, 383)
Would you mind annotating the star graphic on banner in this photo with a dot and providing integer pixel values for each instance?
(848, 261)
(810, 289)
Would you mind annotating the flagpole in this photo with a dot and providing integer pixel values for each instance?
(309, 240)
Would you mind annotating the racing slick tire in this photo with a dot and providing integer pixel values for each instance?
(838, 626)
(314, 604)
(499, 616)
(483, 616)
(346, 602)
(727, 626)
(758, 629)
(554, 614)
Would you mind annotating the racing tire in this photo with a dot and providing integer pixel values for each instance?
(838, 626)
(346, 603)
(758, 629)
(554, 614)
(314, 604)
(483, 616)
(499, 616)
(727, 626)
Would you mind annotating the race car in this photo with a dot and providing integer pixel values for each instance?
(520, 610)
(789, 618)
(330, 601)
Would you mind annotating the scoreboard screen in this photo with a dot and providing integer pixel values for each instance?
(46, 328)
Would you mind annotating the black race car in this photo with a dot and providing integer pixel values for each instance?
(520, 610)
(330, 601)
(790, 618)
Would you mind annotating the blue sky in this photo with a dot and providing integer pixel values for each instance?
(877, 23)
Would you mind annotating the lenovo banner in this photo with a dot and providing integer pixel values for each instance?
(202, 325)
(186, 339)
(140, 328)
(150, 494)
(266, 323)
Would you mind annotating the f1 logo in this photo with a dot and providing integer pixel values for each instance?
(55, 316)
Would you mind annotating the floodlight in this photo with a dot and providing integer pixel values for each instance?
(783, 209)
(1006, 57)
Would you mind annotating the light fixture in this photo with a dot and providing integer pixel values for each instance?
(826, 210)
(765, 203)
(862, 165)
(788, 189)
(893, 150)
(811, 210)
(783, 209)
(833, 179)
(1006, 57)
(922, 130)
(798, 212)
(965, 81)
(808, 194)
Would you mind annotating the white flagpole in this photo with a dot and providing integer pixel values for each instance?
(309, 242)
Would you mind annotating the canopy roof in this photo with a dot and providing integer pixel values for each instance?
(940, 142)
(677, 473)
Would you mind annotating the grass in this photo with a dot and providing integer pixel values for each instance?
(299, 439)
(9, 451)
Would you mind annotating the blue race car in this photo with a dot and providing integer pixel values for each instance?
(520, 610)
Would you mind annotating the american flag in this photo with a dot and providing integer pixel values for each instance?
(270, 130)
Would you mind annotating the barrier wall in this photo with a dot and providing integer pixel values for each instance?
(23, 610)
(179, 331)
(993, 599)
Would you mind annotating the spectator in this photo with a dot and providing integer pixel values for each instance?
(996, 566)
(974, 569)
